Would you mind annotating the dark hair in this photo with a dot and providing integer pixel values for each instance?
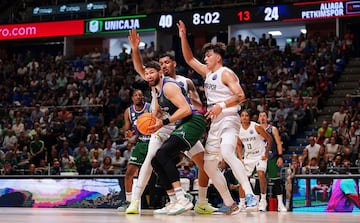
(153, 64)
(244, 110)
(167, 55)
(132, 92)
(218, 48)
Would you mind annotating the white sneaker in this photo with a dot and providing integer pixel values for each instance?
(282, 208)
(182, 205)
(242, 207)
(262, 205)
(164, 210)
(133, 207)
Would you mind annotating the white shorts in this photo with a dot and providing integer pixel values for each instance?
(164, 133)
(223, 130)
(252, 162)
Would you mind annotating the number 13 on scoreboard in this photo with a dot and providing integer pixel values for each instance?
(267, 14)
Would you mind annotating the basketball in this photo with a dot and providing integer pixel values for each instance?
(144, 121)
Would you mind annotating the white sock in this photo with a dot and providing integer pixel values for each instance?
(202, 194)
(179, 192)
(242, 201)
(287, 204)
(128, 196)
(280, 200)
(262, 196)
(172, 197)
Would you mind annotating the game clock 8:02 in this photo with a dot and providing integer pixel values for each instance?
(197, 18)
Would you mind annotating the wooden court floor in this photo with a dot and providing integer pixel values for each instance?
(50, 215)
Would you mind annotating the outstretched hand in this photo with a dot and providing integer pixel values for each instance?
(134, 38)
(182, 28)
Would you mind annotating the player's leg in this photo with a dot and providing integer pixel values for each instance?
(249, 165)
(227, 148)
(263, 188)
(164, 164)
(273, 172)
(145, 172)
(202, 206)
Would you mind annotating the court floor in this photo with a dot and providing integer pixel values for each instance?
(67, 215)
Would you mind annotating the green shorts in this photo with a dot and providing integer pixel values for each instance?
(273, 171)
(139, 153)
(191, 130)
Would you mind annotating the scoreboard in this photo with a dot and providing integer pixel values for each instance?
(262, 14)
(207, 18)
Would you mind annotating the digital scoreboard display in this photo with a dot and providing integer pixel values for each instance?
(317, 10)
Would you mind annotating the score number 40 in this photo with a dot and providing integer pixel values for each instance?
(166, 21)
(271, 13)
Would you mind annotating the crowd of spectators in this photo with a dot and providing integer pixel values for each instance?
(66, 114)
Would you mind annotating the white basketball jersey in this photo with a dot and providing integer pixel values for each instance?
(182, 81)
(215, 90)
(254, 144)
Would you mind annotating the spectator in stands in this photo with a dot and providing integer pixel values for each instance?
(109, 150)
(23, 158)
(185, 172)
(83, 165)
(9, 169)
(282, 110)
(32, 170)
(37, 150)
(320, 138)
(18, 126)
(10, 155)
(119, 163)
(325, 127)
(65, 159)
(97, 148)
(106, 166)
(297, 118)
(322, 155)
(338, 116)
(354, 140)
(304, 160)
(81, 148)
(55, 169)
(342, 130)
(64, 115)
(9, 139)
(94, 168)
(335, 166)
(332, 148)
(113, 131)
(313, 148)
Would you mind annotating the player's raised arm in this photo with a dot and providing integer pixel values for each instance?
(134, 40)
(187, 53)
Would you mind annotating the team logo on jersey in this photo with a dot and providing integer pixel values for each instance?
(214, 77)
(181, 84)
(251, 131)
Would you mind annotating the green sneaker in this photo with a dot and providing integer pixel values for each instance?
(133, 207)
(204, 207)
(123, 206)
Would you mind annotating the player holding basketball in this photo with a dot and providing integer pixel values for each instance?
(275, 161)
(224, 93)
(138, 154)
(168, 65)
(172, 102)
